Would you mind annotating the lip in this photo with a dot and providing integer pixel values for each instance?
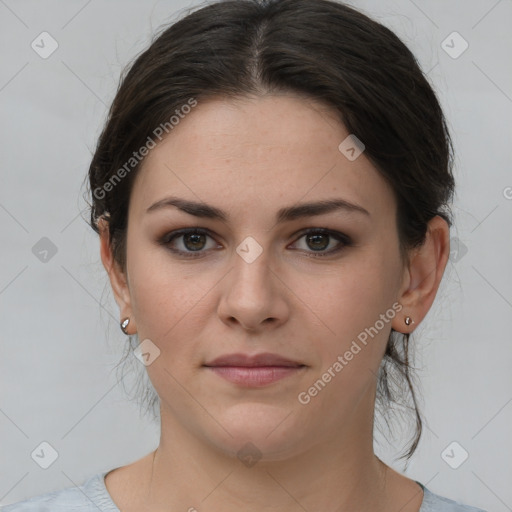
(254, 370)
(250, 361)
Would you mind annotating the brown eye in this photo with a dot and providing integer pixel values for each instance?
(186, 242)
(319, 240)
(194, 241)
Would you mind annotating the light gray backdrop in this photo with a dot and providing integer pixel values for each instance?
(60, 339)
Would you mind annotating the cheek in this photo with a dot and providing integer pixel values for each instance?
(355, 304)
(164, 296)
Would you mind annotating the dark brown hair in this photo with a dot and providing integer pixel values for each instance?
(321, 49)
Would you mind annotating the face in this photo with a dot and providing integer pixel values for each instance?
(317, 288)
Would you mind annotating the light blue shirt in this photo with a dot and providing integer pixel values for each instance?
(93, 496)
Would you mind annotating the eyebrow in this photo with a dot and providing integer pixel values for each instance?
(286, 214)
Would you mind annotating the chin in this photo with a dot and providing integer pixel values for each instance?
(259, 431)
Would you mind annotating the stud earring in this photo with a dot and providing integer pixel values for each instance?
(408, 320)
(124, 325)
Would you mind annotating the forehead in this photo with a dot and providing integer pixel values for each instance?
(260, 152)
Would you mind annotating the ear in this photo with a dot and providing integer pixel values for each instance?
(423, 275)
(118, 278)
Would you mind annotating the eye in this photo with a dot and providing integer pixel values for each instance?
(319, 239)
(192, 241)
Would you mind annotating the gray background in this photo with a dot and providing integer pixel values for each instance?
(59, 328)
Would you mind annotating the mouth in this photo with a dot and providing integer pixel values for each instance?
(254, 371)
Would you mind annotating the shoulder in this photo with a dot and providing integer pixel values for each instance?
(91, 496)
(435, 503)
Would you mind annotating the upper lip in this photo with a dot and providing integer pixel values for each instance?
(246, 360)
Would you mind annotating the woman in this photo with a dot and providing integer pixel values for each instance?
(271, 191)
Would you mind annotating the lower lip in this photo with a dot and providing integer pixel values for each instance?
(255, 376)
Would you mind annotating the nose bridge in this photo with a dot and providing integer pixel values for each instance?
(251, 296)
(251, 267)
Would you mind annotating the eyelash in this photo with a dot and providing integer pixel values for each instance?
(170, 237)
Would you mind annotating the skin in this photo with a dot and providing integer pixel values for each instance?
(251, 157)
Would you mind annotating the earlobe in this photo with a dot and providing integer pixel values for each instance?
(117, 277)
(425, 271)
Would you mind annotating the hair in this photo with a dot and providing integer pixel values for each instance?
(319, 49)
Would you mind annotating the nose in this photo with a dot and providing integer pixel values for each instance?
(253, 297)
